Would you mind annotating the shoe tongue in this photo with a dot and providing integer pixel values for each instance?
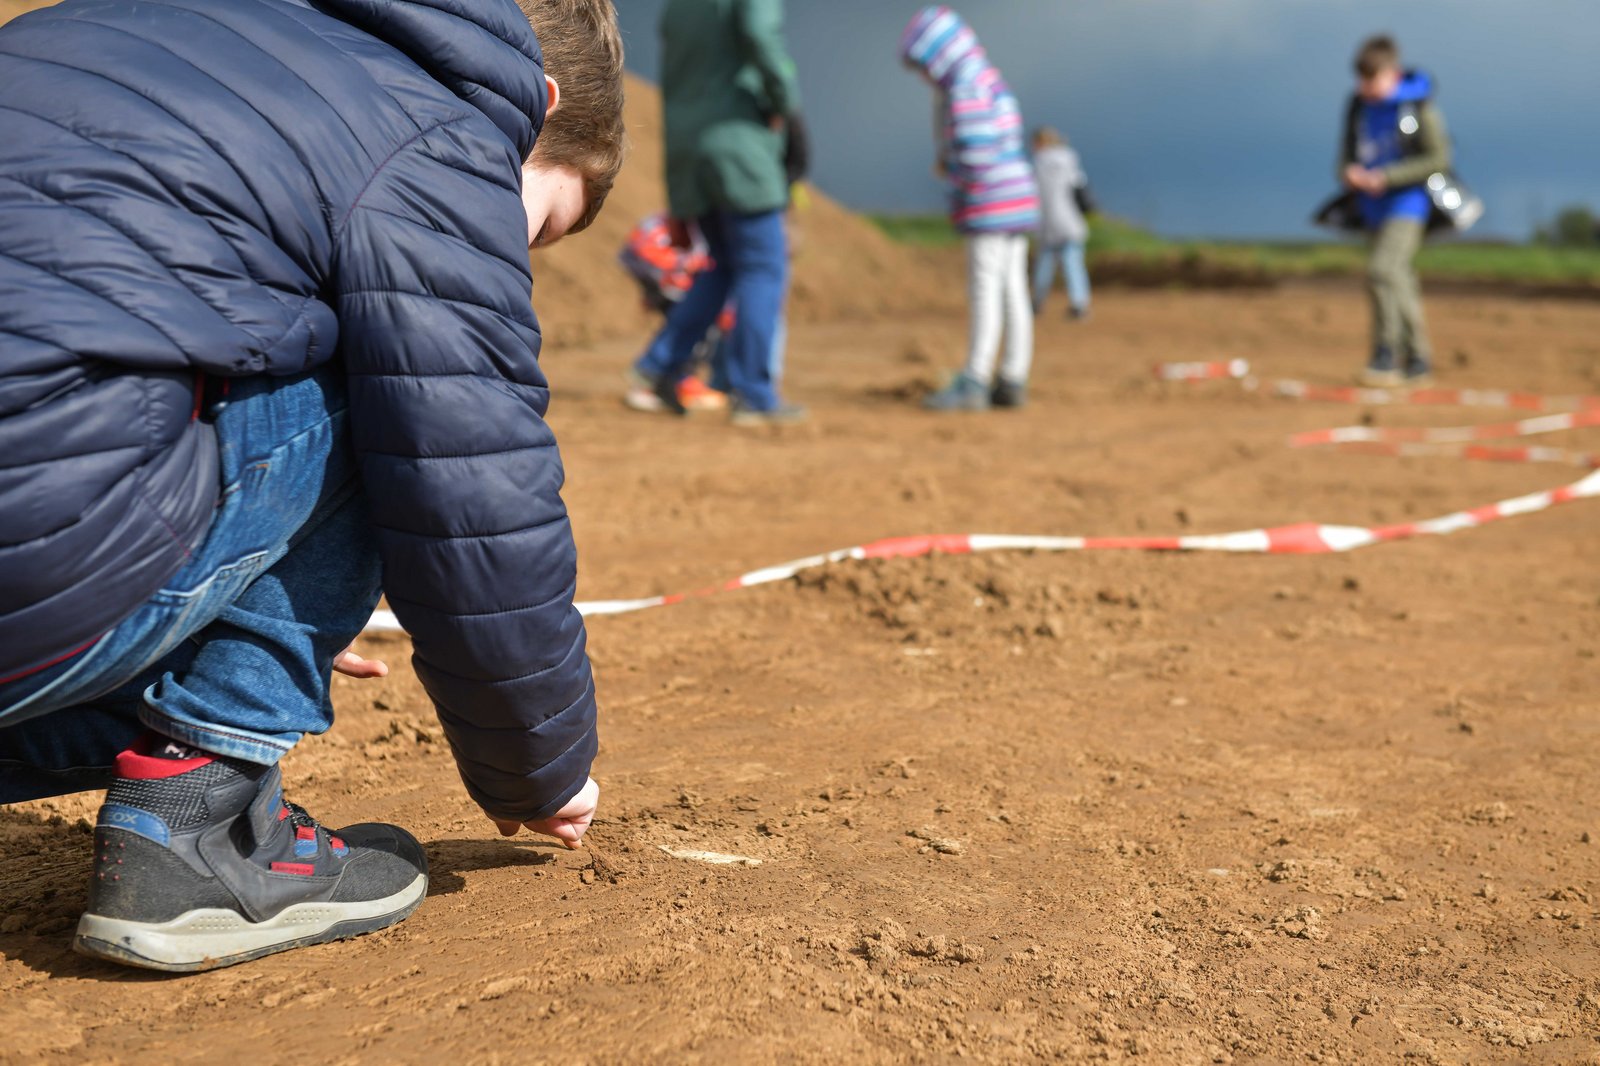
(265, 811)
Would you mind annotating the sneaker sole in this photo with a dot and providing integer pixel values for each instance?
(643, 400)
(756, 419)
(211, 938)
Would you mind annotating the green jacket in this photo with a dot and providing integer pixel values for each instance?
(725, 73)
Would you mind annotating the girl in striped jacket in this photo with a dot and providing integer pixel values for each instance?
(994, 203)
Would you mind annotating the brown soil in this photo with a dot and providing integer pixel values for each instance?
(1186, 808)
(1190, 808)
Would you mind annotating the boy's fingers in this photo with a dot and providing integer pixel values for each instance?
(569, 834)
(350, 664)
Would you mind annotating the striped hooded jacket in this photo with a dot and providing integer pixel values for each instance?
(993, 189)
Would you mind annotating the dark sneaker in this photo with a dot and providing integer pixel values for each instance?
(199, 863)
(1381, 372)
(666, 391)
(1009, 394)
(783, 414)
(1077, 314)
(1419, 374)
(962, 394)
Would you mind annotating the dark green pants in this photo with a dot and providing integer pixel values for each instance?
(1397, 322)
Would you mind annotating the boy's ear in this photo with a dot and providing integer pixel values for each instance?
(554, 91)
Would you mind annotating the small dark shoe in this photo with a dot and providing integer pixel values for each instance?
(1381, 372)
(1009, 394)
(666, 390)
(1419, 374)
(199, 863)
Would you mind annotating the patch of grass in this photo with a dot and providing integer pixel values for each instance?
(1116, 241)
(931, 231)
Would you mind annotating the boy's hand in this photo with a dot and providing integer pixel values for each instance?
(678, 233)
(350, 664)
(1371, 182)
(568, 824)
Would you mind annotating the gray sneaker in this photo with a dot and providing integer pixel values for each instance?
(962, 394)
(199, 863)
(748, 417)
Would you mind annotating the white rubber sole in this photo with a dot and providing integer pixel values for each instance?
(206, 939)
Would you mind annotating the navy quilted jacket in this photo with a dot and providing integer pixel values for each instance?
(242, 187)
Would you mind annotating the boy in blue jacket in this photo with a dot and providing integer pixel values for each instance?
(1394, 141)
(266, 347)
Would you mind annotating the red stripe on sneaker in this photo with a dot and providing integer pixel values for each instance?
(302, 869)
(138, 767)
(305, 832)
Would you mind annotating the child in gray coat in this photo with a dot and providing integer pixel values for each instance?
(1063, 230)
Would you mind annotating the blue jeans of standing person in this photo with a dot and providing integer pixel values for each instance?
(233, 656)
(1069, 257)
(751, 253)
(780, 345)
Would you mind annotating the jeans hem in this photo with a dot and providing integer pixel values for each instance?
(231, 743)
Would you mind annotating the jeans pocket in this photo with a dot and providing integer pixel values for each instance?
(190, 610)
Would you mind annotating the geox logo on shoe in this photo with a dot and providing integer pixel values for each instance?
(133, 820)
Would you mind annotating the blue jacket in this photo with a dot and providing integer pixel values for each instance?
(1380, 142)
(245, 187)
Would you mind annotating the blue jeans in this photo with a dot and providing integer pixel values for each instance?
(233, 655)
(1070, 258)
(752, 269)
(780, 345)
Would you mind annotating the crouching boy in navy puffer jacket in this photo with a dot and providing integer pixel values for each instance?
(266, 347)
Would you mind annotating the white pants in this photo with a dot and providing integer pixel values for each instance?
(997, 288)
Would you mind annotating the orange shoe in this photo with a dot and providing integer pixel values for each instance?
(696, 395)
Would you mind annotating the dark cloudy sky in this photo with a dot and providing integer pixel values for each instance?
(1207, 117)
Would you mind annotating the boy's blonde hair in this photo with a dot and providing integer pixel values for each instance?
(583, 53)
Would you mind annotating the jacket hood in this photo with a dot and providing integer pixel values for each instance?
(1415, 86)
(482, 50)
(941, 43)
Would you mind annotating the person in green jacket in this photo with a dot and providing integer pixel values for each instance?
(728, 90)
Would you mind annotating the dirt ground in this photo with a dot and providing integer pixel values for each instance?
(1182, 809)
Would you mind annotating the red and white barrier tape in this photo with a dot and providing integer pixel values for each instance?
(1305, 538)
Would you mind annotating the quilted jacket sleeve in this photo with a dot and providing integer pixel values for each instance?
(461, 472)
